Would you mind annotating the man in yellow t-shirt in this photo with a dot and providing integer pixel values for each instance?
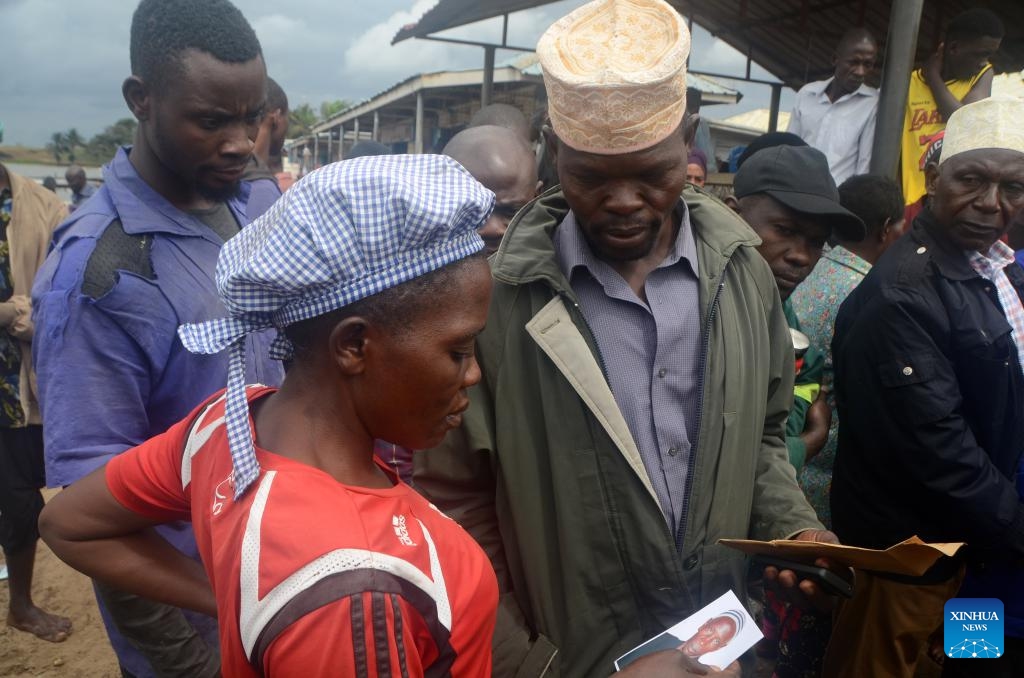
(958, 73)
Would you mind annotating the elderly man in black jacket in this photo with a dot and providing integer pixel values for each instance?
(930, 390)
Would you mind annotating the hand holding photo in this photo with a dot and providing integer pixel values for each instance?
(715, 636)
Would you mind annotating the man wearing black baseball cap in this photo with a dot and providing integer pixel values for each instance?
(787, 195)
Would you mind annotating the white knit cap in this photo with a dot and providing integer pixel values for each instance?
(996, 122)
(615, 73)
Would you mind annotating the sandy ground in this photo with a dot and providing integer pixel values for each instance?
(59, 589)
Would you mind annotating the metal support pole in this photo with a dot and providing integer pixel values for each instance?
(357, 133)
(330, 138)
(376, 126)
(488, 88)
(773, 113)
(316, 150)
(417, 146)
(900, 47)
(689, 27)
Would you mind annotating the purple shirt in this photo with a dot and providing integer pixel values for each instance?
(651, 352)
(77, 199)
(112, 372)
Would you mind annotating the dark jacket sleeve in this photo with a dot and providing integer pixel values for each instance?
(905, 391)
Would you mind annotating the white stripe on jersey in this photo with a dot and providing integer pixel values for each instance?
(256, 613)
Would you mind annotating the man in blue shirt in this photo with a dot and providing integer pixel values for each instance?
(137, 260)
(81, 190)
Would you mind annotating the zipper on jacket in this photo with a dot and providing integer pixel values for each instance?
(681, 527)
(583, 320)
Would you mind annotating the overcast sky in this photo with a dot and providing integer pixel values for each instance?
(64, 62)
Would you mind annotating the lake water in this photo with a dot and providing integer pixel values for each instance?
(40, 172)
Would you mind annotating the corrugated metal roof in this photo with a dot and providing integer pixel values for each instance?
(792, 39)
(528, 64)
(756, 119)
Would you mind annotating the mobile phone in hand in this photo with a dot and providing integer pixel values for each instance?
(829, 581)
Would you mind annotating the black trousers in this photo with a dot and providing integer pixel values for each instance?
(22, 474)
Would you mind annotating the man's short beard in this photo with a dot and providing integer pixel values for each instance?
(219, 194)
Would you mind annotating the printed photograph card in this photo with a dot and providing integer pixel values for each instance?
(716, 635)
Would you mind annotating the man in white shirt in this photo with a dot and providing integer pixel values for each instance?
(837, 116)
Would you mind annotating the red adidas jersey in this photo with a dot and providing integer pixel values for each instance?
(312, 577)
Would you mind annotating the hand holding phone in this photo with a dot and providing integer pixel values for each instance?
(830, 582)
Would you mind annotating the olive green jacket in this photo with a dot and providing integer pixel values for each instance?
(544, 472)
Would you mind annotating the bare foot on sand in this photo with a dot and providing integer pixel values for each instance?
(41, 624)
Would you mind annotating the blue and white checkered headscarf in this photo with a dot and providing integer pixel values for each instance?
(343, 233)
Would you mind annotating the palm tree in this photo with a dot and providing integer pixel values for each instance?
(73, 140)
(328, 109)
(301, 121)
(57, 145)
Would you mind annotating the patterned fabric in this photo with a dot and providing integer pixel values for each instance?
(343, 233)
(816, 302)
(615, 73)
(10, 352)
(651, 352)
(990, 123)
(991, 267)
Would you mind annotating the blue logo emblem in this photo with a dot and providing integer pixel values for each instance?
(974, 628)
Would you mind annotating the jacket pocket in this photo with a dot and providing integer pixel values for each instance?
(517, 652)
(915, 390)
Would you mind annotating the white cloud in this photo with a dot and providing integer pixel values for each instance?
(68, 72)
(371, 58)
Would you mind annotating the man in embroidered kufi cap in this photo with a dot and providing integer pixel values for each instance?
(637, 372)
(928, 355)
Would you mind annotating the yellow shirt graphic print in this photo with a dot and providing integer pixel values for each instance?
(921, 125)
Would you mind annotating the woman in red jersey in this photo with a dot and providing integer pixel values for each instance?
(317, 560)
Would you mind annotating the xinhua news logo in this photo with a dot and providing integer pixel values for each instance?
(974, 628)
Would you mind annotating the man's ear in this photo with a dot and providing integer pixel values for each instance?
(690, 123)
(885, 232)
(136, 95)
(551, 144)
(931, 178)
(347, 345)
(732, 202)
(277, 118)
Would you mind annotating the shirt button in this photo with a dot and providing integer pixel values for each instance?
(907, 371)
(922, 249)
(673, 451)
(662, 372)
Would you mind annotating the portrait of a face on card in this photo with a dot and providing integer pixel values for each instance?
(716, 635)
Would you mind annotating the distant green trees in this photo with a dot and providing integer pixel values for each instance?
(71, 147)
(302, 119)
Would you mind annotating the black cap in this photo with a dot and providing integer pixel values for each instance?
(799, 178)
(769, 140)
